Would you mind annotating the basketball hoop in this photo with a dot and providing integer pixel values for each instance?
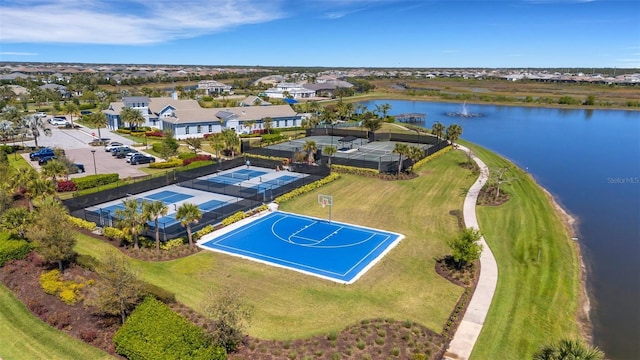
(326, 200)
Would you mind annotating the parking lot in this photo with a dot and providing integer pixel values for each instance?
(75, 143)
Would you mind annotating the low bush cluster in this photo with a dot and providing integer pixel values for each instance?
(113, 233)
(266, 157)
(271, 138)
(344, 169)
(157, 147)
(188, 161)
(204, 231)
(92, 181)
(153, 331)
(12, 249)
(171, 163)
(66, 185)
(173, 243)
(82, 223)
(67, 291)
(86, 262)
(422, 162)
(234, 218)
(306, 188)
(154, 133)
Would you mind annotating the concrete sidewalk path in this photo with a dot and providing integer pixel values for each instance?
(468, 332)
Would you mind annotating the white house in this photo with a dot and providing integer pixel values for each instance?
(293, 90)
(185, 118)
(214, 87)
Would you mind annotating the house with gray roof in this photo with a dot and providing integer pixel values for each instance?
(185, 118)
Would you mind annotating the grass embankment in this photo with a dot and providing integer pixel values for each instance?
(536, 300)
(26, 337)
(403, 286)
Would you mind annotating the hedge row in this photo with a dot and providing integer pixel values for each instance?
(234, 218)
(12, 249)
(188, 161)
(276, 158)
(153, 331)
(344, 169)
(81, 223)
(174, 162)
(307, 188)
(422, 162)
(91, 181)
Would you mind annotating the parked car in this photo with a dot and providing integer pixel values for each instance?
(130, 154)
(85, 112)
(44, 152)
(59, 122)
(112, 145)
(141, 159)
(79, 168)
(42, 160)
(121, 152)
(41, 114)
(57, 117)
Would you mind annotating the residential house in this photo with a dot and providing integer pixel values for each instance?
(214, 87)
(289, 90)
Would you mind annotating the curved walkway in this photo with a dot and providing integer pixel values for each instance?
(468, 332)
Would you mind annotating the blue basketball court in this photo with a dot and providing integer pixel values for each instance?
(335, 251)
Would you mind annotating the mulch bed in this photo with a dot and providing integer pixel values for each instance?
(487, 196)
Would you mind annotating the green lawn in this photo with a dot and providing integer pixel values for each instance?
(403, 286)
(26, 337)
(16, 161)
(536, 299)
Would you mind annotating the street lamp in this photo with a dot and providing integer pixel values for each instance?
(95, 169)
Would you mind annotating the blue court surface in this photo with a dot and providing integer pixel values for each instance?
(335, 251)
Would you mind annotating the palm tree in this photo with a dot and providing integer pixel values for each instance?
(310, 147)
(16, 221)
(568, 349)
(99, 120)
(53, 169)
(329, 151)
(38, 189)
(383, 109)
(453, 133)
(249, 124)
(132, 219)
(267, 122)
(72, 109)
(155, 210)
(188, 214)
(231, 140)
(35, 126)
(132, 117)
(415, 154)
(400, 149)
(437, 129)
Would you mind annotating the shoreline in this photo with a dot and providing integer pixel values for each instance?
(570, 222)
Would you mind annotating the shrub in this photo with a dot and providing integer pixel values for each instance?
(81, 223)
(85, 106)
(68, 291)
(11, 249)
(153, 331)
(154, 133)
(114, 233)
(306, 188)
(188, 161)
(173, 243)
(66, 185)
(233, 218)
(270, 138)
(204, 231)
(91, 181)
(344, 169)
(157, 147)
(171, 163)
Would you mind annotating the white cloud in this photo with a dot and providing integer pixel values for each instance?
(17, 53)
(126, 23)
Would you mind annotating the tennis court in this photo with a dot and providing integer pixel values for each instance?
(331, 250)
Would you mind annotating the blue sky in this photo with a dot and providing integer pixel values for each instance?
(332, 33)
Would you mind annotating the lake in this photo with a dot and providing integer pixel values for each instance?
(590, 161)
